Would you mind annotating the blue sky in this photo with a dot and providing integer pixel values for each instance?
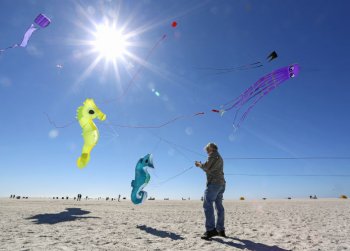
(306, 116)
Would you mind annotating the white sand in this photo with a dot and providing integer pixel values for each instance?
(322, 224)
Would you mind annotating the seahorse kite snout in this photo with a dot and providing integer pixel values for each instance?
(85, 115)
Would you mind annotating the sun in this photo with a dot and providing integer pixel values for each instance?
(110, 42)
(110, 46)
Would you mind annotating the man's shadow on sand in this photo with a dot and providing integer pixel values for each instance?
(248, 245)
(70, 214)
(160, 233)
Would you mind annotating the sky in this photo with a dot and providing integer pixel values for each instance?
(306, 116)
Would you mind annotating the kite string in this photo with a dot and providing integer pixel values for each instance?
(132, 80)
(177, 146)
(179, 151)
(232, 69)
(291, 158)
(131, 126)
(54, 124)
(257, 64)
(112, 132)
(238, 69)
(149, 126)
(173, 177)
(156, 145)
(159, 125)
(288, 175)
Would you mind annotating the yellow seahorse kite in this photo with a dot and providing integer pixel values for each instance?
(85, 115)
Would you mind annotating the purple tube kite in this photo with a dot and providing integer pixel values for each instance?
(41, 20)
(257, 91)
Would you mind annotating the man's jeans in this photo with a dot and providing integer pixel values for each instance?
(214, 193)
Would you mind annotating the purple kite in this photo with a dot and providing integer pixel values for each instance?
(41, 21)
(257, 91)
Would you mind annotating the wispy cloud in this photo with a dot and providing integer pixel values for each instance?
(53, 134)
(5, 82)
(189, 131)
(34, 51)
(72, 147)
(232, 137)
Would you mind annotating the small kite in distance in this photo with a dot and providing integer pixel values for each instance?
(273, 55)
(41, 21)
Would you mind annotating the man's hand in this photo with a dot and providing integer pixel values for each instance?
(198, 163)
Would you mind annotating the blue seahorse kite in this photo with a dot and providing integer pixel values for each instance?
(141, 180)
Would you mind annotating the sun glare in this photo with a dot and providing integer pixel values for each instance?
(110, 43)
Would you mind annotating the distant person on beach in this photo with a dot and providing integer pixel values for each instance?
(214, 169)
(119, 198)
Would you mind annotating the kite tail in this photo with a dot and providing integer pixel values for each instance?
(138, 198)
(83, 160)
(247, 112)
(143, 195)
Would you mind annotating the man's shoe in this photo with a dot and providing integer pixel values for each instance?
(222, 233)
(207, 235)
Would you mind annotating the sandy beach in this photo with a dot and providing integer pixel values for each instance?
(46, 224)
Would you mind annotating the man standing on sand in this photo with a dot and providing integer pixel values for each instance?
(214, 169)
